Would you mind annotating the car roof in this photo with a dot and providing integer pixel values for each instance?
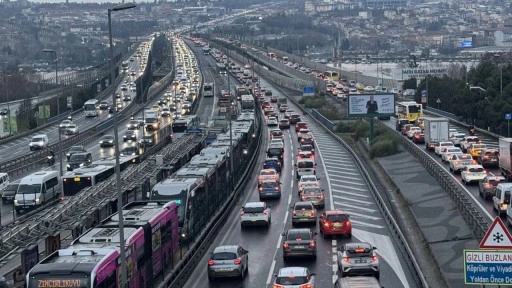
(303, 203)
(334, 212)
(296, 271)
(299, 230)
(268, 170)
(254, 204)
(226, 248)
(354, 245)
(474, 166)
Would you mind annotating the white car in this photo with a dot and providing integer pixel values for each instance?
(456, 138)
(413, 130)
(272, 121)
(255, 213)
(71, 129)
(308, 179)
(459, 161)
(467, 141)
(448, 153)
(292, 277)
(64, 124)
(452, 131)
(268, 174)
(441, 146)
(276, 142)
(304, 132)
(473, 173)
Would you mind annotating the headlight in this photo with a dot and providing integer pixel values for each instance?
(37, 200)
(68, 154)
(110, 141)
(124, 136)
(69, 166)
(15, 202)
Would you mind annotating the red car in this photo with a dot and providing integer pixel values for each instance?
(266, 104)
(300, 125)
(335, 222)
(418, 137)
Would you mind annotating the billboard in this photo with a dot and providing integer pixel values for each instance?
(371, 105)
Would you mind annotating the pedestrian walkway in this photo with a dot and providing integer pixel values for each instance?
(443, 228)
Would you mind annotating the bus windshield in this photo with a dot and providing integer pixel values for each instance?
(89, 107)
(414, 109)
(179, 198)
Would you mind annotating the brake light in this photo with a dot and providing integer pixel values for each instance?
(374, 259)
(327, 224)
(277, 286)
(457, 162)
(487, 185)
(286, 245)
(242, 213)
(237, 261)
(346, 259)
(265, 212)
(294, 213)
(210, 262)
(359, 250)
(303, 197)
(321, 196)
(261, 189)
(473, 162)
(312, 244)
(305, 286)
(277, 188)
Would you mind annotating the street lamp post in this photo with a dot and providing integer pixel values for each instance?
(7, 100)
(59, 147)
(122, 251)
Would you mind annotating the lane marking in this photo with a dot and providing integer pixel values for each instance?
(269, 277)
(353, 200)
(285, 217)
(349, 193)
(362, 215)
(341, 174)
(358, 207)
(329, 188)
(360, 223)
(351, 182)
(348, 177)
(347, 187)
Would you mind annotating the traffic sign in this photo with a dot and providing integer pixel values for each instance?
(486, 267)
(308, 91)
(508, 116)
(194, 130)
(497, 237)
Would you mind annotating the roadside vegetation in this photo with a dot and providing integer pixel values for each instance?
(385, 142)
(323, 106)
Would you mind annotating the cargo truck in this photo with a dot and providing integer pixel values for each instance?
(505, 150)
(435, 130)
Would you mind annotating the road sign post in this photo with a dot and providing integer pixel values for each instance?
(308, 91)
(492, 264)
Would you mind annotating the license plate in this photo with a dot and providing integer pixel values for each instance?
(224, 269)
(337, 225)
(77, 179)
(360, 261)
(299, 247)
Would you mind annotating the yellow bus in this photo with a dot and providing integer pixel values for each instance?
(409, 110)
(332, 75)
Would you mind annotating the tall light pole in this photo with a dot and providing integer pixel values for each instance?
(54, 52)
(122, 251)
(8, 108)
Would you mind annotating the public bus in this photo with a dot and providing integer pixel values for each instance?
(125, 65)
(208, 90)
(185, 122)
(93, 259)
(247, 102)
(221, 68)
(409, 110)
(331, 75)
(91, 108)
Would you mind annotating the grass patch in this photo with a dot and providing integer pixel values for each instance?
(314, 102)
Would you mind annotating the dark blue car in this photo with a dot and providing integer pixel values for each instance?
(272, 163)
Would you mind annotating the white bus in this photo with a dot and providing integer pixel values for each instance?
(208, 90)
(91, 108)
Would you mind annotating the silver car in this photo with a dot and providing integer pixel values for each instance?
(292, 277)
(303, 212)
(255, 213)
(358, 259)
(459, 161)
(314, 194)
(228, 261)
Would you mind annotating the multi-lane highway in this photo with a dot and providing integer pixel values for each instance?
(345, 190)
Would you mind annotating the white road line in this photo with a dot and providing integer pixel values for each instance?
(361, 223)
(345, 187)
(331, 204)
(289, 201)
(279, 241)
(343, 168)
(353, 200)
(350, 182)
(269, 277)
(362, 215)
(293, 162)
(291, 184)
(337, 176)
(339, 161)
(285, 217)
(345, 205)
(349, 193)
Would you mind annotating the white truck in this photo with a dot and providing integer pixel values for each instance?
(305, 166)
(435, 130)
(505, 150)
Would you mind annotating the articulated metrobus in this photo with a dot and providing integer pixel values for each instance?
(409, 110)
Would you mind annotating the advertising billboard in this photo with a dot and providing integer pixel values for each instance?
(371, 105)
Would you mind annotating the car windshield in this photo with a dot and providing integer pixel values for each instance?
(311, 178)
(491, 154)
(268, 185)
(306, 164)
(12, 187)
(303, 206)
(472, 140)
(108, 137)
(37, 139)
(476, 170)
(29, 189)
(274, 150)
(291, 280)
(224, 256)
(272, 162)
(312, 190)
(337, 217)
(253, 209)
(74, 148)
(77, 157)
(447, 144)
(359, 252)
(494, 182)
(479, 146)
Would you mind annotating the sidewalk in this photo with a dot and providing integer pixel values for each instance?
(444, 230)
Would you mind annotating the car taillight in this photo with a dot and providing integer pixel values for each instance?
(321, 196)
(210, 262)
(312, 244)
(277, 188)
(374, 259)
(327, 224)
(305, 286)
(261, 189)
(294, 213)
(237, 261)
(346, 259)
(457, 162)
(277, 286)
(487, 185)
(473, 162)
(242, 213)
(265, 212)
(286, 245)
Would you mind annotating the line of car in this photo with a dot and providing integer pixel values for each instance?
(355, 258)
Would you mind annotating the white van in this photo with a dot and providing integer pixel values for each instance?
(305, 166)
(4, 181)
(37, 189)
(501, 198)
(39, 142)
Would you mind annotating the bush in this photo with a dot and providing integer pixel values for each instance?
(346, 126)
(362, 129)
(385, 144)
(313, 102)
(330, 113)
